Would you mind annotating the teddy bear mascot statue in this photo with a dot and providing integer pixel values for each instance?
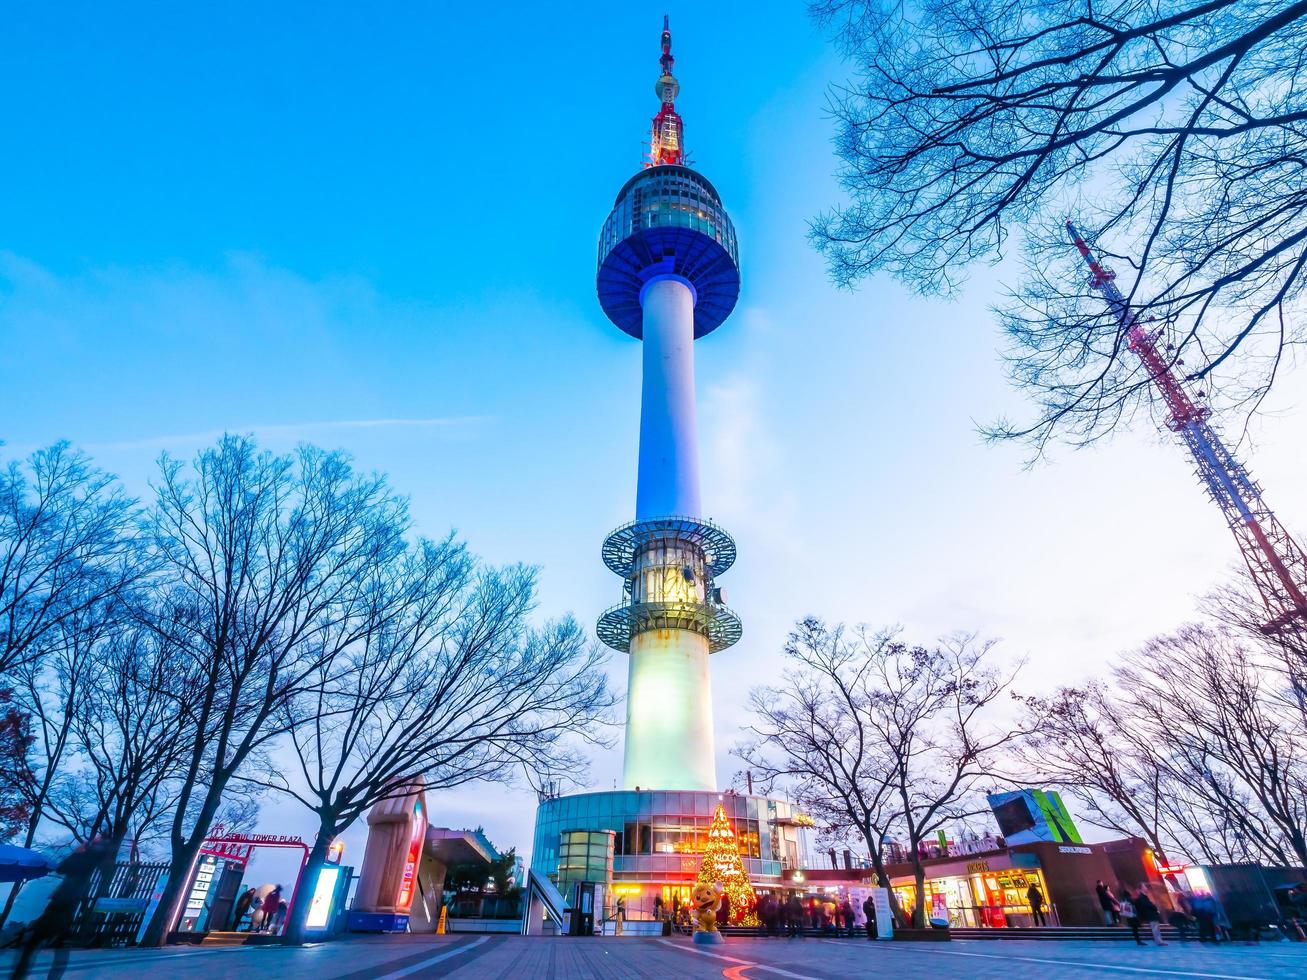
(706, 899)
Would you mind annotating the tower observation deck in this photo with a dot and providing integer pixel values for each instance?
(668, 274)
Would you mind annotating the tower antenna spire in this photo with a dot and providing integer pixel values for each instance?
(1276, 563)
(667, 144)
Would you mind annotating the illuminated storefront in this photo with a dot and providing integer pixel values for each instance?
(984, 897)
(658, 837)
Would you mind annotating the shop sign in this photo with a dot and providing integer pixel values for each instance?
(977, 867)
(1069, 849)
(231, 850)
(884, 918)
(156, 896)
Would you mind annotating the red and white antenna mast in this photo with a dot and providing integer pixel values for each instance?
(1275, 561)
(667, 146)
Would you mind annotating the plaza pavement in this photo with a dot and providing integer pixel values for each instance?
(468, 957)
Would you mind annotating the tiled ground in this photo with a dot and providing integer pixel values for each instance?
(469, 957)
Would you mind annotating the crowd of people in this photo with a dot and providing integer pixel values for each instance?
(1136, 909)
(265, 913)
(791, 917)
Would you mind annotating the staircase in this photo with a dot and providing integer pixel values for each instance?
(1064, 933)
(239, 939)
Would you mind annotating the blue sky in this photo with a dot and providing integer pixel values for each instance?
(374, 227)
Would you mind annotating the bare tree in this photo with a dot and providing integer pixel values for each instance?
(266, 563)
(1238, 606)
(1174, 129)
(1199, 695)
(870, 726)
(1083, 744)
(65, 546)
(1190, 746)
(810, 734)
(446, 683)
(133, 729)
(50, 688)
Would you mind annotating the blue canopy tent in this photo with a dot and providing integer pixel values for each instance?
(22, 864)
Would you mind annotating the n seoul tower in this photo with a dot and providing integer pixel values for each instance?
(668, 274)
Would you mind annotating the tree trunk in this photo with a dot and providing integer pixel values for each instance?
(1299, 845)
(882, 877)
(919, 876)
(178, 881)
(108, 865)
(183, 856)
(294, 934)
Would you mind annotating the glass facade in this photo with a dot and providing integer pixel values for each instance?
(668, 197)
(657, 837)
(585, 855)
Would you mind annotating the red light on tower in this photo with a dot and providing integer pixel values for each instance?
(667, 144)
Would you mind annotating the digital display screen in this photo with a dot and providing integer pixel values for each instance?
(323, 892)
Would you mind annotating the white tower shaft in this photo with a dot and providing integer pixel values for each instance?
(669, 733)
(668, 484)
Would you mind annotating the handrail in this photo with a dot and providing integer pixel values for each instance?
(542, 895)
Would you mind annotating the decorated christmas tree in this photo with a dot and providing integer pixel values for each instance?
(722, 865)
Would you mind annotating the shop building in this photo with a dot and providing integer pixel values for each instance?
(657, 837)
(990, 888)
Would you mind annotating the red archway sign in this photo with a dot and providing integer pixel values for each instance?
(240, 847)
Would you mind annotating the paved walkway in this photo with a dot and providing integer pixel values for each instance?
(486, 957)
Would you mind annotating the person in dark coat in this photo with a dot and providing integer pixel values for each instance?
(1130, 914)
(1204, 909)
(242, 907)
(1107, 902)
(1036, 899)
(60, 911)
(724, 911)
(1149, 915)
(794, 916)
(869, 910)
(846, 910)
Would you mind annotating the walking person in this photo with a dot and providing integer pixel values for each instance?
(270, 903)
(1150, 915)
(1036, 899)
(724, 911)
(1204, 909)
(619, 917)
(795, 914)
(1130, 914)
(847, 911)
(54, 922)
(1108, 903)
(242, 907)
